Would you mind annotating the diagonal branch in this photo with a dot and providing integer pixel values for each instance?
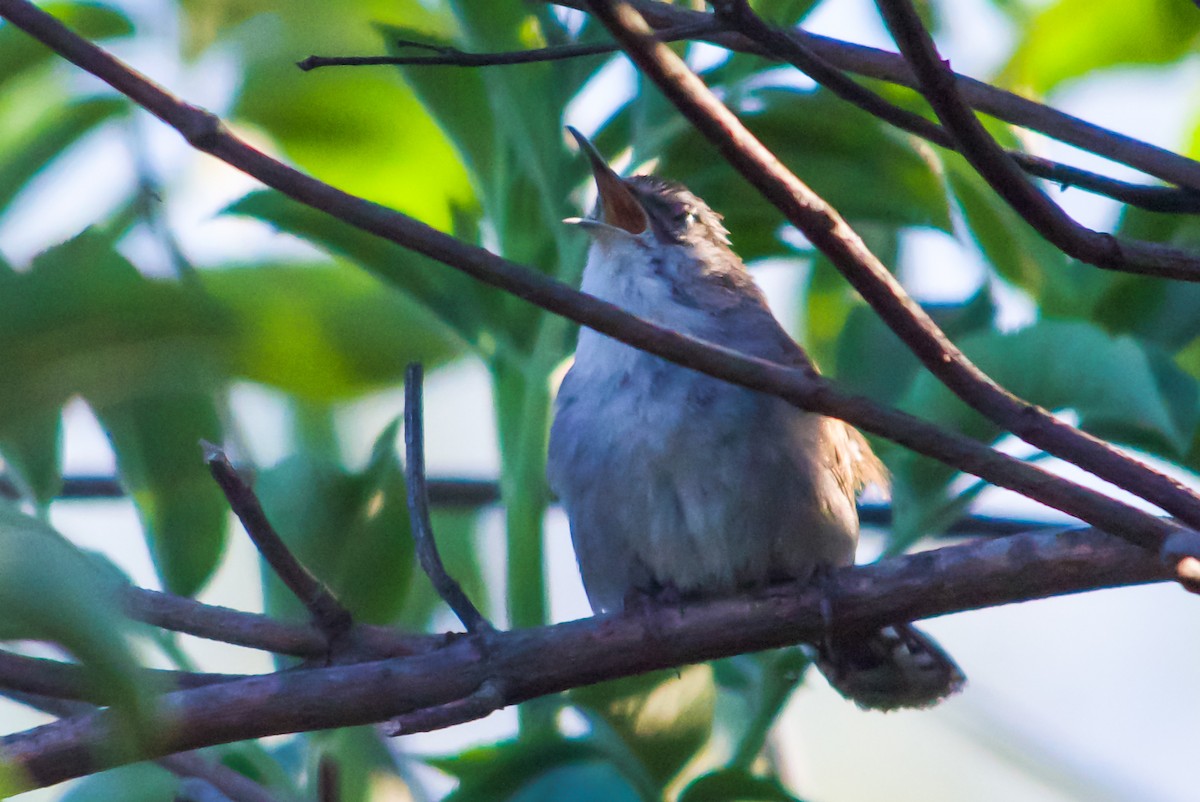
(822, 225)
(205, 132)
(327, 612)
(890, 67)
(540, 661)
(256, 631)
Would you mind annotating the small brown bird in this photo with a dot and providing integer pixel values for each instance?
(674, 480)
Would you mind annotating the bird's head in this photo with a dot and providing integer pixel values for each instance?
(646, 209)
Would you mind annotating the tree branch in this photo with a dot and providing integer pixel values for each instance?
(740, 16)
(328, 614)
(453, 57)
(418, 508)
(59, 680)
(535, 662)
(939, 87)
(806, 390)
(256, 631)
(828, 232)
(891, 67)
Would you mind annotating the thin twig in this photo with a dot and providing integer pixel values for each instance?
(485, 700)
(543, 660)
(939, 86)
(830, 233)
(453, 57)
(56, 679)
(890, 67)
(256, 631)
(740, 16)
(418, 507)
(205, 132)
(328, 779)
(327, 612)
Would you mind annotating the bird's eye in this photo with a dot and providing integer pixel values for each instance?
(685, 218)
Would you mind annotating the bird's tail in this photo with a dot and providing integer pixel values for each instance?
(897, 667)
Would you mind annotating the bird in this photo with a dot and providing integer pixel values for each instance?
(680, 485)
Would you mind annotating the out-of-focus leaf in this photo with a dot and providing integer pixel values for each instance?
(147, 356)
(783, 12)
(324, 332)
(1062, 287)
(183, 512)
(505, 771)
(351, 530)
(361, 130)
(469, 309)
(1121, 391)
(141, 782)
(50, 590)
(1071, 38)
(873, 361)
(863, 168)
(361, 755)
(20, 52)
(764, 681)
(664, 717)
(586, 781)
(43, 141)
(735, 785)
(1152, 309)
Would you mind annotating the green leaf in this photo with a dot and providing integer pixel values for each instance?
(50, 590)
(1061, 286)
(872, 359)
(1121, 390)
(783, 12)
(764, 681)
(664, 717)
(735, 785)
(141, 782)
(587, 781)
(864, 169)
(1072, 38)
(508, 770)
(147, 356)
(361, 755)
(183, 512)
(466, 307)
(56, 129)
(20, 52)
(349, 529)
(324, 332)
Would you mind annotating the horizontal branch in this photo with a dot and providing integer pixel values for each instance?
(525, 664)
(59, 680)
(806, 390)
(441, 56)
(891, 67)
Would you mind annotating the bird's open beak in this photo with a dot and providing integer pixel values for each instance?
(619, 208)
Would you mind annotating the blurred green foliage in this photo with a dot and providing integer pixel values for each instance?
(480, 153)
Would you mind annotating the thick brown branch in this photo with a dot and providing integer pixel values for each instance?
(327, 612)
(826, 229)
(939, 86)
(807, 391)
(418, 508)
(880, 64)
(535, 662)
